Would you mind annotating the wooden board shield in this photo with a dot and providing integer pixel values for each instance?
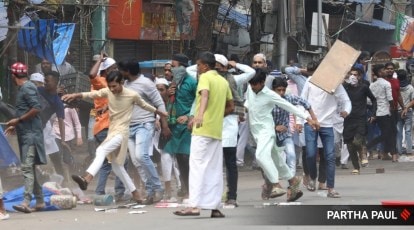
(334, 67)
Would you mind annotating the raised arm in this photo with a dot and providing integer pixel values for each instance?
(248, 73)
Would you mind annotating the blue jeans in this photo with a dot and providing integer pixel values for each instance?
(405, 123)
(139, 143)
(327, 136)
(290, 154)
(106, 170)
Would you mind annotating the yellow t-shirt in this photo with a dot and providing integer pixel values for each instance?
(218, 93)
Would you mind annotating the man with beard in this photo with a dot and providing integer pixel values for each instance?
(230, 123)
(182, 94)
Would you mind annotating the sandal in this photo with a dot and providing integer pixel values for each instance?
(276, 192)
(364, 163)
(40, 207)
(265, 192)
(311, 186)
(293, 195)
(355, 172)
(22, 208)
(216, 214)
(333, 194)
(187, 212)
(83, 185)
(4, 216)
(293, 191)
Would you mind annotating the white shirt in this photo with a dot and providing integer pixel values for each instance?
(381, 89)
(324, 105)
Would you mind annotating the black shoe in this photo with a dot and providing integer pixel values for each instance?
(83, 185)
(338, 161)
(181, 193)
(148, 201)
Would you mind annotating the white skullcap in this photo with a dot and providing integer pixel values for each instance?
(221, 59)
(37, 77)
(161, 81)
(107, 63)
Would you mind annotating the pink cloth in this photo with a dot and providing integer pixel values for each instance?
(72, 124)
(292, 89)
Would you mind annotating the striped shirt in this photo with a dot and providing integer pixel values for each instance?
(281, 116)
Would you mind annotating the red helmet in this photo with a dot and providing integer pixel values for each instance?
(19, 68)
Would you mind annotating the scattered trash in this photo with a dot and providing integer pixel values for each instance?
(380, 170)
(137, 212)
(404, 158)
(63, 201)
(111, 210)
(322, 194)
(167, 205)
(103, 200)
(127, 205)
(289, 203)
(138, 206)
(107, 210)
(230, 206)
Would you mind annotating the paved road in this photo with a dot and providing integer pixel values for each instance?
(367, 188)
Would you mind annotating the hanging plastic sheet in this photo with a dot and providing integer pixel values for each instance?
(49, 40)
(7, 156)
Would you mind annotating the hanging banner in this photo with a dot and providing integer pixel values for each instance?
(404, 32)
(49, 40)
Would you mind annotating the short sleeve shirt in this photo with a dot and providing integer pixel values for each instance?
(219, 93)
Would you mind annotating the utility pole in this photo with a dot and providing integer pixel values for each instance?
(281, 34)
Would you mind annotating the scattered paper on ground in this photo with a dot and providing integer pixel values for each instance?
(137, 212)
(167, 205)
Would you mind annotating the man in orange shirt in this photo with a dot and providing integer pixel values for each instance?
(103, 66)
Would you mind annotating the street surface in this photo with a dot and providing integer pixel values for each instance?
(367, 188)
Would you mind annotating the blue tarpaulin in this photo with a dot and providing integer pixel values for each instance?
(15, 197)
(7, 155)
(48, 40)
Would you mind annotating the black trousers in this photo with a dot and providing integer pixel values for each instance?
(231, 171)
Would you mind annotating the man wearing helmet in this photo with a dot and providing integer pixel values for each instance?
(28, 126)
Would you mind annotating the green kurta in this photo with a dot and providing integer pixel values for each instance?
(30, 132)
(181, 138)
(120, 110)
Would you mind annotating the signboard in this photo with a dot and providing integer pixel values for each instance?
(314, 33)
(381, 57)
(153, 20)
(334, 67)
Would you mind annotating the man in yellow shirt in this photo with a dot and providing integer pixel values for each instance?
(213, 101)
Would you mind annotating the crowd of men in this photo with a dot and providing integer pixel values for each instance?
(198, 116)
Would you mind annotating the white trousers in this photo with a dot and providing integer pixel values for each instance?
(244, 132)
(206, 173)
(102, 152)
(169, 166)
(1, 190)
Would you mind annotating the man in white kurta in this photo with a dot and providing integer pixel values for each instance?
(213, 102)
(114, 147)
(260, 101)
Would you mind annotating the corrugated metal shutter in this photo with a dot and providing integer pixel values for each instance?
(124, 49)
